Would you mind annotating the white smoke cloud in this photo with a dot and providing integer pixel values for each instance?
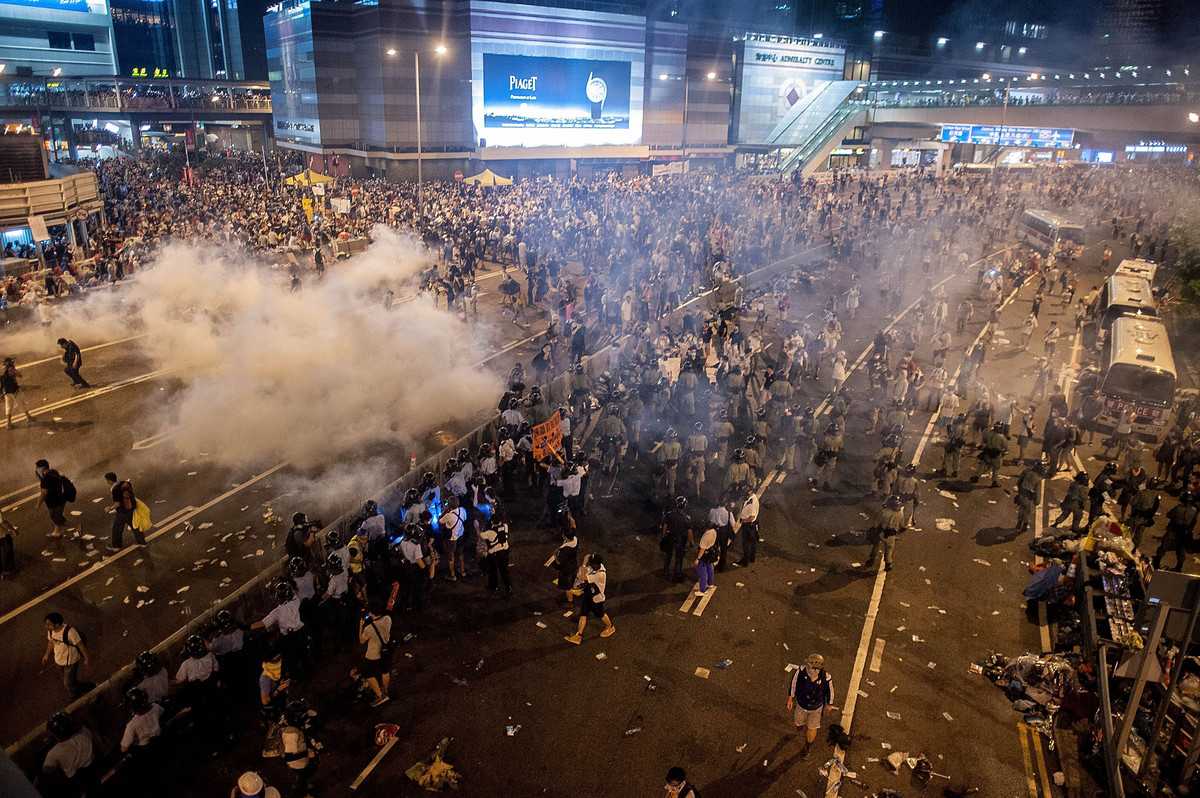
(313, 377)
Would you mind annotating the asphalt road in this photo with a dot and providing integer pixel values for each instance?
(898, 642)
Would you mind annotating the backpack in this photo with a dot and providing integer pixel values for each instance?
(68, 488)
(809, 693)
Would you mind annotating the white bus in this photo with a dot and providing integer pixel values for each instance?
(1139, 375)
(1044, 230)
(1137, 267)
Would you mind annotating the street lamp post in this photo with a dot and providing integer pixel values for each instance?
(420, 154)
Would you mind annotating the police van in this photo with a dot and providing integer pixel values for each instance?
(1138, 374)
(1045, 231)
(1137, 267)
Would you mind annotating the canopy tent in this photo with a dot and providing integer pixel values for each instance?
(488, 178)
(307, 178)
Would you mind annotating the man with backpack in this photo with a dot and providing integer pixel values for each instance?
(123, 506)
(810, 696)
(57, 492)
(66, 645)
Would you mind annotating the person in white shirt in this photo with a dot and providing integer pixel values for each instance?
(66, 645)
(143, 728)
(66, 764)
(720, 518)
(452, 524)
(592, 587)
(748, 523)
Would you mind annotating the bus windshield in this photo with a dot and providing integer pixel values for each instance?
(1136, 383)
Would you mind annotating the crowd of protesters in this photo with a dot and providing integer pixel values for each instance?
(707, 402)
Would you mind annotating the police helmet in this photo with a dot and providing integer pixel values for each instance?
(137, 700)
(285, 591)
(672, 434)
(147, 664)
(738, 455)
(296, 711)
(910, 469)
(1110, 467)
(195, 646)
(333, 540)
(297, 567)
(225, 620)
(698, 426)
(893, 502)
(751, 440)
(1081, 478)
(299, 518)
(681, 502)
(370, 508)
(61, 725)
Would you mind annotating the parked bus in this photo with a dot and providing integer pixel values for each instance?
(1044, 230)
(1138, 374)
(1137, 267)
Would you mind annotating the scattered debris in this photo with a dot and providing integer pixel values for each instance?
(723, 664)
(512, 730)
(948, 716)
(893, 715)
(982, 562)
(703, 673)
(434, 774)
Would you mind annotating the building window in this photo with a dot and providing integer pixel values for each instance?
(84, 41)
(59, 41)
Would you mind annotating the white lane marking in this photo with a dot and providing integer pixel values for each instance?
(704, 599)
(93, 348)
(152, 441)
(833, 785)
(860, 662)
(1043, 625)
(19, 502)
(508, 348)
(94, 393)
(862, 358)
(12, 493)
(164, 529)
(877, 655)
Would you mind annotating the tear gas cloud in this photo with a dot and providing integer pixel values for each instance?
(307, 377)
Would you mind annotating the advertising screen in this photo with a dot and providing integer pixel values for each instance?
(291, 69)
(540, 92)
(777, 72)
(556, 77)
(1010, 136)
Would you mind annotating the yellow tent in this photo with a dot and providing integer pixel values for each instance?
(488, 178)
(307, 178)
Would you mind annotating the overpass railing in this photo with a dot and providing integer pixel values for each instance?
(131, 94)
(1017, 93)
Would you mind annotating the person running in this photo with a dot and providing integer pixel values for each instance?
(10, 388)
(375, 632)
(72, 359)
(595, 580)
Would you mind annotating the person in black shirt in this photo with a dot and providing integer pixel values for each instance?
(10, 389)
(72, 358)
(53, 496)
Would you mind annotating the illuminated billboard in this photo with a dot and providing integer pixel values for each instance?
(539, 92)
(83, 6)
(291, 69)
(775, 74)
(556, 77)
(1010, 136)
